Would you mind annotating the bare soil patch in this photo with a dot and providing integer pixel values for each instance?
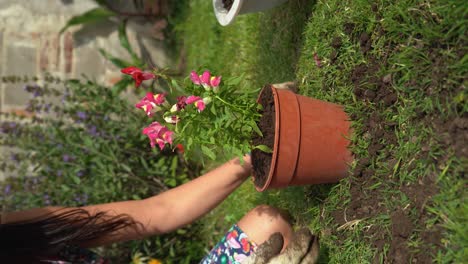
(367, 201)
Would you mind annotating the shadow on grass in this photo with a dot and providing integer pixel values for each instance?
(304, 205)
(302, 202)
(280, 41)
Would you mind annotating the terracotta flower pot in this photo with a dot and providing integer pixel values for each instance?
(310, 142)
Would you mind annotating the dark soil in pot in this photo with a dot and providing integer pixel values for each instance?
(261, 161)
(228, 4)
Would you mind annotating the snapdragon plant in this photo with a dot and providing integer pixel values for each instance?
(211, 116)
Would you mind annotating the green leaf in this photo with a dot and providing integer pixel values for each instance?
(264, 148)
(171, 182)
(236, 81)
(121, 86)
(174, 164)
(208, 152)
(213, 109)
(116, 61)
(65, 188)
(189, 142)
(144, 163)
(76, 179)
(88, 142)
(256, 129)
(91, 16)
(176, 86)
(126, 44)
(125, 167)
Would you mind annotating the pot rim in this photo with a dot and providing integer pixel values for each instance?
(224, 16)
(275, 144)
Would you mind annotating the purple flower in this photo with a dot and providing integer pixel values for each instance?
(80, 173)
(59, 173)
(81, 115)
(81, 198)
(37, 93)
(14, 157)
(7, 190)
(65, 96)
(46, 199)
(67, 158)
(47, 107)
(35, 89)
(93, 131)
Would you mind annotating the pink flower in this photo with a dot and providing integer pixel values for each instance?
(195, 78)
(172, 119)
(206, 80)
(167, 136)
(159, 98)
(215, 80)
(158, 134)
(197, 101)
(181, 102)
(138, 75)
(192, 99)
(150, 101)
(200, 105)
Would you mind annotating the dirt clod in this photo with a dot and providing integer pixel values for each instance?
(228, 4)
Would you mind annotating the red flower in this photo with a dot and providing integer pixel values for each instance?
(138, 75)
(180, 148)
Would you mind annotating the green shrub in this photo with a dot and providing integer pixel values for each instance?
(80, 144)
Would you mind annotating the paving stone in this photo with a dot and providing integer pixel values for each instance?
(21, 61)
(88, 62)
(1, 70)
(1, 49)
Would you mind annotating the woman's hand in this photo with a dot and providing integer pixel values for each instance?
(243, 168)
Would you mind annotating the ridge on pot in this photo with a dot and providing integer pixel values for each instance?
(310, 142)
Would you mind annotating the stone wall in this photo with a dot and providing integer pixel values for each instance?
(30, 44)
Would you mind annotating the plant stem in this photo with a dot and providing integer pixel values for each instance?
(231, 105)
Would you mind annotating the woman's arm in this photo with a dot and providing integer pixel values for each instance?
(166, 211)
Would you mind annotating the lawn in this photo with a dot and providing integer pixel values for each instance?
(399, 68)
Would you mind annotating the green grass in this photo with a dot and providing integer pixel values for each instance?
(421, 40)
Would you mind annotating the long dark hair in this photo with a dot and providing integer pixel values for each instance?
(35, 240)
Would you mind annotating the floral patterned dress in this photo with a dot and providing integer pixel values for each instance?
(233, 248)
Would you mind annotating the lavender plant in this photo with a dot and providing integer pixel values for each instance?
(79, 143)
